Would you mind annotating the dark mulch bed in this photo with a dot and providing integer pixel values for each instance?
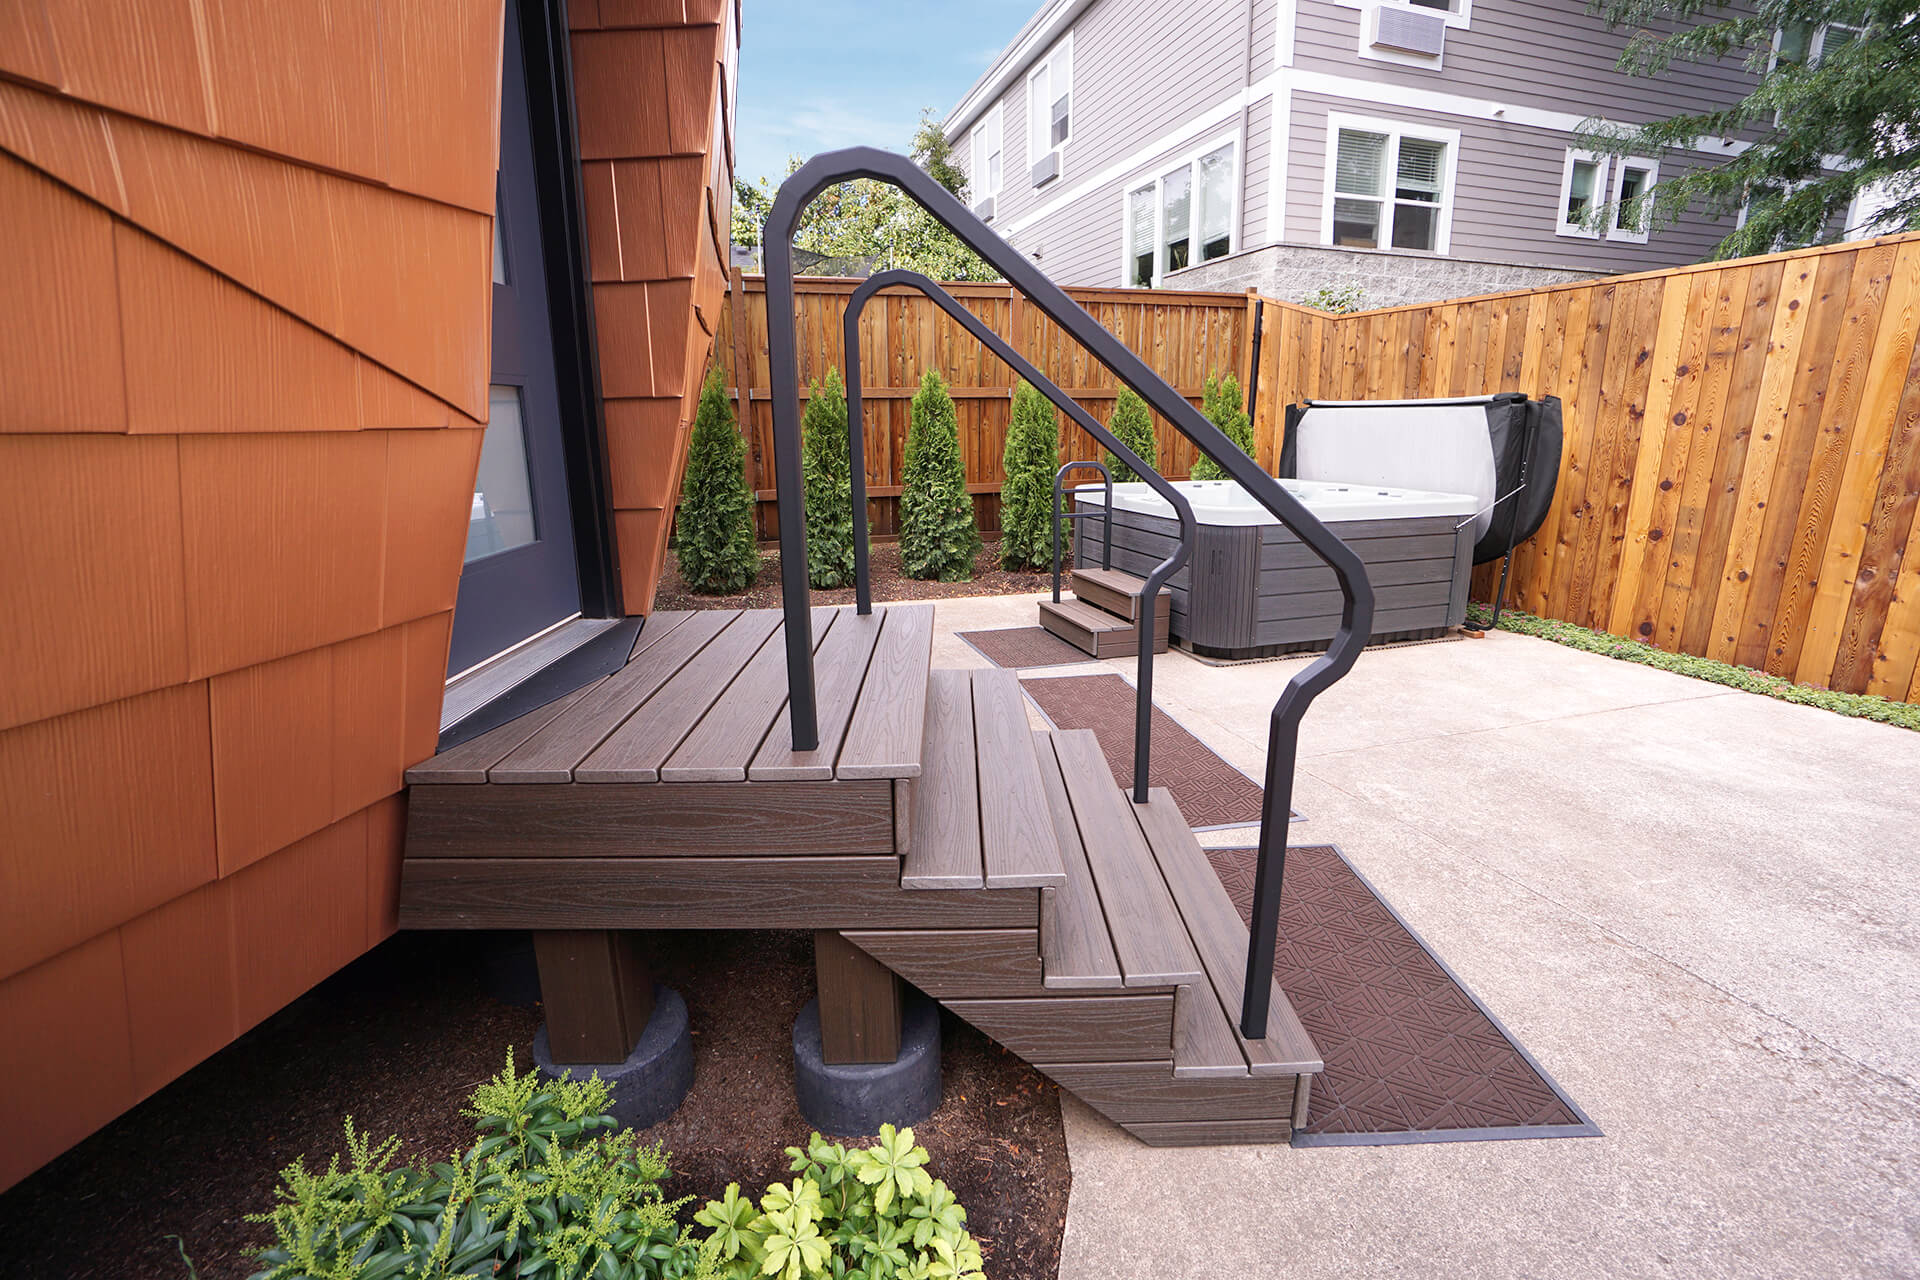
(1412, 1056)
(400, 1038)
(989, 579)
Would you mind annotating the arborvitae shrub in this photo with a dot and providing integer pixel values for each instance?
(938, 539)
(1026, 495)
(1226, 408)
(1132, 422)
(829, 484)
(715, 536)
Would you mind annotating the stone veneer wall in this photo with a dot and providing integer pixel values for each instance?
(1291, 271)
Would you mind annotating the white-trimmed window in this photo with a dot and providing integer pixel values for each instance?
(1583, 189)
(1801, 44)
(1633, 177)
(1459, 12)
(1050, 103)
(1597, 194)
(1182, 216)
(1389, 185)
(987, 155)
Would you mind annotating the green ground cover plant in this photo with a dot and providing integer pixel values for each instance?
(1132, 424)
(715, 521)
(938, 538)
(1226, 409)
(829, 479)
(870, 1213)
(1904, 715)
(549, 1190)
(1029, 461)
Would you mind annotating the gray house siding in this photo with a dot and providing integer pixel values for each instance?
(1533, 53)
(1506, 196)
(1253, 188)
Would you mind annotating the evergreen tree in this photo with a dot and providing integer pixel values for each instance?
(1132, 422)
(1026, 495)
(1226, 409)
(1832, 80)
(715, 537)
(823, 445)
(938, 539)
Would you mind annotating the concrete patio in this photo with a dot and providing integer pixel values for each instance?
(1698, 908)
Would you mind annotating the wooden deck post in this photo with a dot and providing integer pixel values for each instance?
(859, 1003)
(596, 991)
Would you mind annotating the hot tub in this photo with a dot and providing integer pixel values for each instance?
(1251, 589)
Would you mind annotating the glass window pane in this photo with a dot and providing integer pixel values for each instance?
(1586, 176)
(1795, 39)
(1422, 164)
(1358, 162)
(1216, 203)
(1443, 5)
(1061, 121)
(1140, 235)
(502, 516)
(1415, 226)
(1632, 183)
(1038, 99)
(499, 241)
(1356, 223)
(1176, 213)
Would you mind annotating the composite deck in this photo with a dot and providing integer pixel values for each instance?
(997, 869)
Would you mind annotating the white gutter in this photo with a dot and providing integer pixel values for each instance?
(1033, 39)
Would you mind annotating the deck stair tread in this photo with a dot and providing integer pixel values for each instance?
(551, 754)
(1098, 632)
(635, 751)
(1220, 938)
(1148, 937)
(979, 811)
(722, 744)
(1075, 951)
(1118, 592)
(944, 850)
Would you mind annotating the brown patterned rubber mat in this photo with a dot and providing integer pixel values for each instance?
(1211, 792)
(1412, 1056)
(1017, 647)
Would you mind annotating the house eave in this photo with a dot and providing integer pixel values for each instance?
(1033, 39)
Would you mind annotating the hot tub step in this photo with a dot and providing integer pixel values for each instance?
(1118, 593)
(1096, 631)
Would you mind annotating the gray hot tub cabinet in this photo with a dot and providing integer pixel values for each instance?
(1254, 590)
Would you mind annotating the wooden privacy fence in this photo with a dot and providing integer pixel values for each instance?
(1183, 336)
(1742, 458)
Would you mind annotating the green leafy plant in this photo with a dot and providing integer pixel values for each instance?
(829, 479)
(1340, 299)
(548, 1191)
(938, 539)
(1132, 423)
(1226, 408)
(872, 1213)
(1031, 457)
(715, 538)
(1903, 715)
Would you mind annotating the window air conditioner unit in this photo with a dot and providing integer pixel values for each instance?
(1420, 31)
(983, 209)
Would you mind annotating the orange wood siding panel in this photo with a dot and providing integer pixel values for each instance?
(108, 813)
(656, 157)
(247, 305)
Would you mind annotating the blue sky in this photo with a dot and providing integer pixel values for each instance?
(838, 73)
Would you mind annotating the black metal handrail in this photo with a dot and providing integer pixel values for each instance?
(1356, 614)
(1106, 539)
(856, 434)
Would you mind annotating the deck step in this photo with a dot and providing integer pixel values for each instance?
(979, 809)
(1093, 630)
(1118, 593)
(1221, 940)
